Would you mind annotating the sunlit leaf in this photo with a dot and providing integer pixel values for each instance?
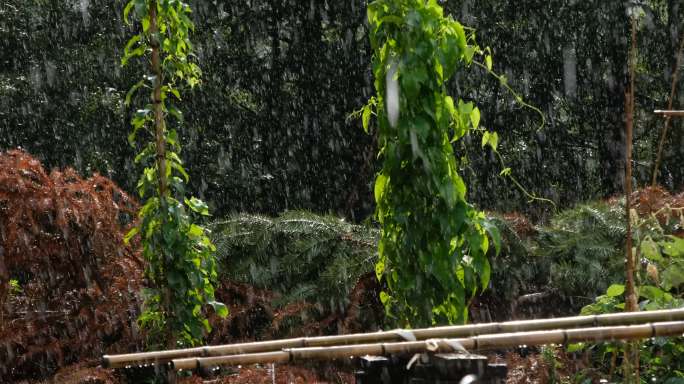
(366, 117)
(576, 347)
(651, 292)
(131, 91)
(198, 206)
(380, 185)
(674, 247)
(475, 117)
(130, 234)
(615, 290)
(220, 308)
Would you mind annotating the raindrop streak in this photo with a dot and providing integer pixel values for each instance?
(469, 379)
(392, 95)
(570, 71)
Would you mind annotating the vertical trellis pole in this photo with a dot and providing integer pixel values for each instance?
(631, 362)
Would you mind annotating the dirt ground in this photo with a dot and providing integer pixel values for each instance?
(531, 369)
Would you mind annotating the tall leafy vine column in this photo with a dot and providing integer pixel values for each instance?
(181, 267)
(433, 245)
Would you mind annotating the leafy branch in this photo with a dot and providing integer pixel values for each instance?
(491, 139)
(503, 81)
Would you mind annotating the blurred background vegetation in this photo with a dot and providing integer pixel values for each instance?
(268, 130)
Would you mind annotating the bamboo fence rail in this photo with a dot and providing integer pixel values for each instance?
(162, 357)
(669, 113)
(474, 343)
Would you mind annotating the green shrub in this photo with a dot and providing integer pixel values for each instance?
(660, 280)
(298, 255)
(584, 249)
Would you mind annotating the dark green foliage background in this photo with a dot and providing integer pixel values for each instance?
(319, 259)
(299, 255)
(267, 131)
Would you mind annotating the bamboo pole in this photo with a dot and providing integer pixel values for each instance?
(631, 351)
(669, 113)
(475, 343)
(668, 117)
(630, 291)
(162, 357)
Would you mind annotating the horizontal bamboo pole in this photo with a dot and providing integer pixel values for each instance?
(669, 113)
(162, 357)
(474, 343)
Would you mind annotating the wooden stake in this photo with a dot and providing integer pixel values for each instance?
(631, 352)
(160, 145)
(630, 292)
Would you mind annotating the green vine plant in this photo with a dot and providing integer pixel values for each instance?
(433, 244)
(489, 138)
(181, 268)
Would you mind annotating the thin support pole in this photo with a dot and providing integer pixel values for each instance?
(631, 353)
(668, 117)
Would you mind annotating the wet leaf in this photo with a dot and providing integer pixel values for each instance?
(650, 250)
(220, 308)
(615, 290)
(366, 118)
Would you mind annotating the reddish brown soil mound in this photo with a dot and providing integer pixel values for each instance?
(61, 238)
(657, 200)
(520, 224)
(654, 199)
(282, 374)
(661, 203)
(85, 373)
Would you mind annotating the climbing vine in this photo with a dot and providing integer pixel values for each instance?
(433, 244)
(180, 268)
